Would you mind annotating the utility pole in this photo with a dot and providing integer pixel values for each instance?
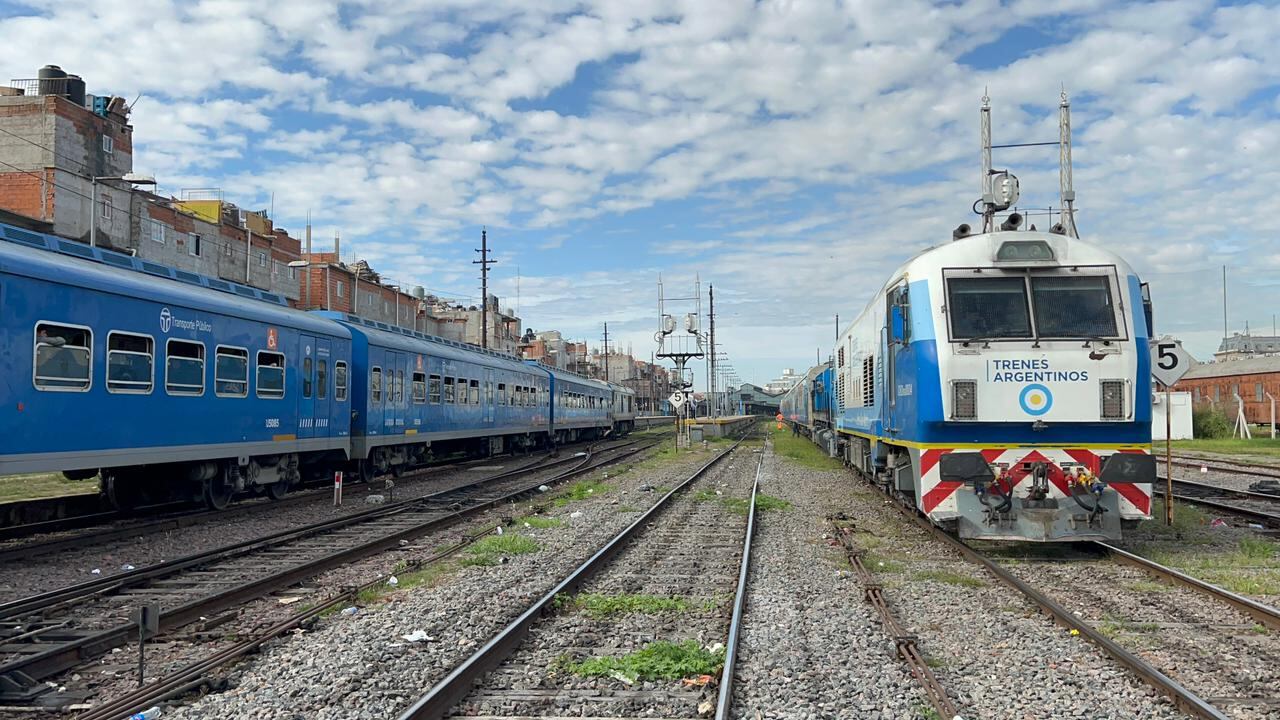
(484, 262)
(1224, 302)
(711, 376)
(606, 352)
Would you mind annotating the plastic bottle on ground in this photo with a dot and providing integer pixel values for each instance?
(150, 714)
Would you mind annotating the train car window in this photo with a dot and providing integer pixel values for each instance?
(475, 392)
(434, 389)
(988, 308)
(460, 392)
(130, 363)
(488, 392)
(448, 391)
(308, 383)
(231, 372)
(62, 355)
(502, 393)
(1073, 307)
(399, 386)
(375, 385)
(271, 374)
(340, 381)
(184, 368)
(419, 387)
(322, 378)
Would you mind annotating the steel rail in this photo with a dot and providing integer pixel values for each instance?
(1259, 515)
(24, 551)
(441, 698)
(724, 703)
(1233, 492)
(67, 655)
(1263, 613)
(1244, 467)
(1181, 696)
(904, 641)
(181, 680)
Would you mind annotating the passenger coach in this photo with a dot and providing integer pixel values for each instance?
(171, 389)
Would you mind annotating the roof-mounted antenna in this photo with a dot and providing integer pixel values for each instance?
(988, 199)
(1064, 167)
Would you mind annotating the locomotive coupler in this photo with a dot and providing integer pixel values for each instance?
(1038, 495)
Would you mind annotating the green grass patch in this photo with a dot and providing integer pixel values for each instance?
(655, 661)
(627, 509)
(581, 490)
(882, 564)
(489, 549)
(597, 605)
(948, 577)
(1256, 549)
(541, 522)
(705, 496)
(927, 713)
(1257, 447)
(764, 503)
(15, 488)
(801, 450)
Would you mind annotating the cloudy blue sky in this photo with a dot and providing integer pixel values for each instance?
(789, 152)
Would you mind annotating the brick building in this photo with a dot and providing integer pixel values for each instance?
(1218, 383)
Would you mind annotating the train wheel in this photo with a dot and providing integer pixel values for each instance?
(217, 493)
(278, 490)
(123, 495)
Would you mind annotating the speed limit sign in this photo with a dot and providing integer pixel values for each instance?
(1169, 362)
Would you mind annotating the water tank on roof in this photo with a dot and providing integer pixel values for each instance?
(75, 89)
(419, 292)
(52, 80)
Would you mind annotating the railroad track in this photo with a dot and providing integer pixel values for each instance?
(175, 517)
(1242, 467)
(1262, 508)
(685, 543)
(1205, 669)
(44, 635)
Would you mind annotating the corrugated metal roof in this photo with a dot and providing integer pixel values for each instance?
(1227, 368)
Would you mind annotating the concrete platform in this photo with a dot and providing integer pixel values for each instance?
(722, 426)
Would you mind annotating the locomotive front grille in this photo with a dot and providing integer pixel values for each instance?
(1113, 400)
(964, 399)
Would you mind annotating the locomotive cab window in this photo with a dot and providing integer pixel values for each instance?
(231, 372)
(419, 387)
(270, 375)
(62, 355)
(1073, 306)
(988, 308)
(184, 368)
(130, 361)
(340, 381)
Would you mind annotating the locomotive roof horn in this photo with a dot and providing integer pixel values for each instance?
(962, 231)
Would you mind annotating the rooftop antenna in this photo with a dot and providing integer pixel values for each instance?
(988, 200)
(1067, 192)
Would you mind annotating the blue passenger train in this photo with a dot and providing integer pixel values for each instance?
(173, 385)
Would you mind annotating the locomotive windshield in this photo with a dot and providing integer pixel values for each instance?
(993, 308)
(1072, 307)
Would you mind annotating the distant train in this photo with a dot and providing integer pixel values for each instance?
(999, 383)
(172, 384)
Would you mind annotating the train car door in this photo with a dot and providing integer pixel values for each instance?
(307, 381)
(487, 396)
(323, 387)
(393, 416)
(898, 339)
(377, 390)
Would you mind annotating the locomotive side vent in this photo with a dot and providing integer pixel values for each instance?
(1113, 400)
(964, 399)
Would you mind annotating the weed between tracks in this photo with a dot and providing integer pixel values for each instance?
(801, 450)
(581, 490)
(489, 549)
(598, 606)
(948, 577)
(540, 522)
(740, 506)
(656, 661)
